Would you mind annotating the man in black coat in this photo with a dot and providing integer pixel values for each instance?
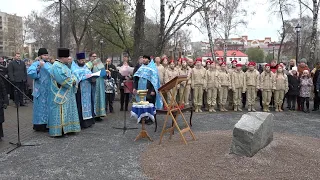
(294, 88)
(4, 72)
(3, 104)
(316, 93)
(17, 72)
(112, 68)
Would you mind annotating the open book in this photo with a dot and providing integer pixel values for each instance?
(101, 73)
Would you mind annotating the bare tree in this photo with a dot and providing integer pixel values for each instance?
(179, 42)
(78, 13)
(41, 31)
(281, 8)
(315, 12)
(113, 25)
(177, 18)
(208, 26)
(231, 17)
(151, 30)
(138, 30)
(289, 48)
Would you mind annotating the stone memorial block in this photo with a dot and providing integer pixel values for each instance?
(253, 132)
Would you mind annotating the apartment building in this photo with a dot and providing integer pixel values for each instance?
(11, 34)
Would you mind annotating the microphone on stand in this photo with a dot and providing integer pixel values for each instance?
(16, 91)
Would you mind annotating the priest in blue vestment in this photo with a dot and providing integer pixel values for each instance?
(39, 71)
(98, 88)
(83, 96)
(63, 117)
(147, 77)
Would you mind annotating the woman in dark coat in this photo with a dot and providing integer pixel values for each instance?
(3, 104)
(294, 88)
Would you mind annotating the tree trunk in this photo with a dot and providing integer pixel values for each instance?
(283, 35)
(281, 43)
(225, 46)
(78, 47)
(206, 17)
(314, 31)
(138, 30)
(162, 28)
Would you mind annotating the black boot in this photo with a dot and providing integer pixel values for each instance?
(315, 106)
(307, 104)
(98, 119)
(121, 99)
(302, 107)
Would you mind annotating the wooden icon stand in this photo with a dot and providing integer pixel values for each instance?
(143, 133)
(173, 107)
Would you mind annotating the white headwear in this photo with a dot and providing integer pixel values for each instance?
(307, 71)
(294, 68)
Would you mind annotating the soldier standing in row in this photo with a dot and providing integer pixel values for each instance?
(212, 86)
(225, 83)
(238, 86)
(281, 87)
(161, 70)
(185, 86)
(171, 73)
(267, 82)
(198, 84)
(252, 85)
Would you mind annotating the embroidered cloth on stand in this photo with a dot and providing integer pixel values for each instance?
(142, 110)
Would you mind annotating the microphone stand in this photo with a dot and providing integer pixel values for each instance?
(124, 128)
(16, 100)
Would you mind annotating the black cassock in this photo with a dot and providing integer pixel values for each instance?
(83, 123)
(149, 97)
(3, 101)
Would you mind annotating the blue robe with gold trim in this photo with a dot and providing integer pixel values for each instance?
(63, 116)
(98, 89)
(41, 89)
(149, 73)
(80, 72)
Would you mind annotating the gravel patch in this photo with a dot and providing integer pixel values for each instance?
(286, 157)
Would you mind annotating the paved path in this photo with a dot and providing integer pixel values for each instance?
(102, 152)
(10, 125)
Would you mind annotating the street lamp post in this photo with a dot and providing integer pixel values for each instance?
(298, 28)
(101, 42)
(60, 14)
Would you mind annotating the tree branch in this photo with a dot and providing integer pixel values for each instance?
(306, 6)
(86, 21)
(171, 13)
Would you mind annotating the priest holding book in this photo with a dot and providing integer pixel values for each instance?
(83, 96)
(98, 87)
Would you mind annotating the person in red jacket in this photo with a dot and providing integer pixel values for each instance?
(273, 66)
(302, 66)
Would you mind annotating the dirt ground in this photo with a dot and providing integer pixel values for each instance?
(286, 157)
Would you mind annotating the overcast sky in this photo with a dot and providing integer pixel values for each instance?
(261, 25)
